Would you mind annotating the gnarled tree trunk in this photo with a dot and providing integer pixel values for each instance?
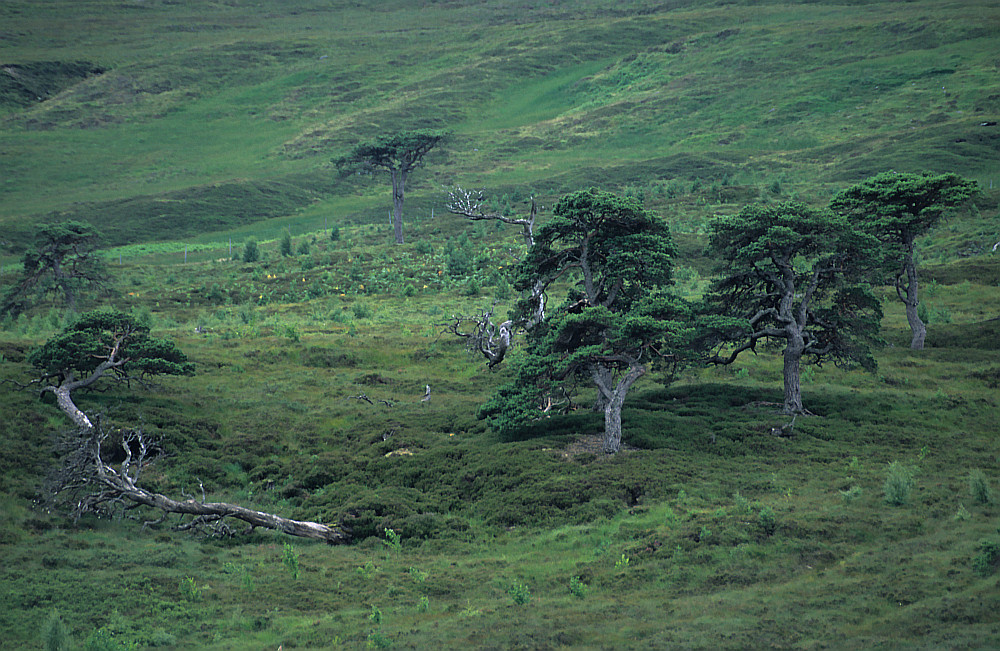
(65, 402)
(910, 298)
(792, 356)
(614, 400)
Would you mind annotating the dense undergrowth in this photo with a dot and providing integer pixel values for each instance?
(874, 523)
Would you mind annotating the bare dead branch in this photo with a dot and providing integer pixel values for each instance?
(86, 483)
(469, 204)
(482, 335)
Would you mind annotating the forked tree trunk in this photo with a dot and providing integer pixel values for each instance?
(615, 400)
(398, 187)
(602, 400)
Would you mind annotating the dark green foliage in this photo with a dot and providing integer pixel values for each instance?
(251, 252)
(459, 262)
(900, 480)
(399, 154)
(984, 335)
(897, 207)
(990, 376)
(401, 151)
(90, 340)
(519, 593)
(768, 522)
(217, 120)
(55, 634)
(618, 258)
(103, 640)
(285, 248)
(798, 276)
(979, 487)
(986, 561)
(64, 261)
(366, 512)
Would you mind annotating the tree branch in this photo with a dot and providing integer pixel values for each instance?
(469, 204)
(88, 484)
(489, 339)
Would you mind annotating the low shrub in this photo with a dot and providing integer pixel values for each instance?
(577, 587)
(979, 487)
(899, 483)
(767, 521)
(985, 563)
(519, 593)
(251, 253)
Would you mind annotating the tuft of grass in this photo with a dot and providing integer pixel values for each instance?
(899, 483)
(979, 487)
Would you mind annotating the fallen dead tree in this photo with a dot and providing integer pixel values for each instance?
(86, 483)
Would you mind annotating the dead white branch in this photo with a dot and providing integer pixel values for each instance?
(86, 483)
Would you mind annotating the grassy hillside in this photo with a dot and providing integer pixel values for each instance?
(218, 101)
(177, 128)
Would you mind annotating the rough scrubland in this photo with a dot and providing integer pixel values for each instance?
(179, 130)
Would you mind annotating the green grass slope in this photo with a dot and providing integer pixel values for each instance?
(203, 98)
(193, 124)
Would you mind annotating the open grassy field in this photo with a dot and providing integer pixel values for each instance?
(181, 129)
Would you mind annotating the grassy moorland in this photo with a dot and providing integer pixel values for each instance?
(176, 128)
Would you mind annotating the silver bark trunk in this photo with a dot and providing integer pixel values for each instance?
(615, 399)
(911, 301)
(398, 187)
(66, 404)
(792, 363)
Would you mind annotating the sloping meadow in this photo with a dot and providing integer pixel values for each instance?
(872, 521)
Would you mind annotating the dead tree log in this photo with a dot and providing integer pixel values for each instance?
(86, 483)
